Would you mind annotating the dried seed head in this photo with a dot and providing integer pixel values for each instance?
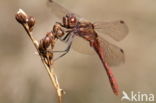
(49, 56)
(46, 42)
(60, 33)
(41, 48)
(58, 30)
(49, 34)
(56, 27)
(52, 37)
(31, 22)
(21, 16)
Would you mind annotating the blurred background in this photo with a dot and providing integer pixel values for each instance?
(23, 78)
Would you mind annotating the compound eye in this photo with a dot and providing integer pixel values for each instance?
(73, 20)
(65, 21)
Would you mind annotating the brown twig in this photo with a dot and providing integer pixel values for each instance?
(28, 22)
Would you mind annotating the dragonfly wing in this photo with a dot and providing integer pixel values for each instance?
(112, 53)
(58, 9)
(82, 46)
(116, 29)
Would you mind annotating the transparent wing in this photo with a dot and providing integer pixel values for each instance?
(82, 46)
(58, 9)
(113, 54)
(116, 29)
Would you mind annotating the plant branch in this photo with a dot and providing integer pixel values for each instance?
(23, 19)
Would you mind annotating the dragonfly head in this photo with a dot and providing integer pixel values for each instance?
(70, 21)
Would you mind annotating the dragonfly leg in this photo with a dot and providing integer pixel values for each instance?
(67, 39)
(60, 24)
(58, 51)
(67, 36)
(65, 52)
(64, 38)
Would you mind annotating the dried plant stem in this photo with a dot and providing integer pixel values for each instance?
(50, 70)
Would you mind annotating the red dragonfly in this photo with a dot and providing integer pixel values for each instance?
(108, 53)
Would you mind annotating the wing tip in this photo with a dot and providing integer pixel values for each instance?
(122, 22)
(50, 1)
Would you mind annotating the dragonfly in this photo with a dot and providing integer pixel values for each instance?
(78, 27)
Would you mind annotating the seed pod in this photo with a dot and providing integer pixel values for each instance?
(41, 47)
(58, 30)
(52, 37)
(46, 42)
(49, 34)
(31, 22)
(60, 33)
(21, 16)
(49, 57)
